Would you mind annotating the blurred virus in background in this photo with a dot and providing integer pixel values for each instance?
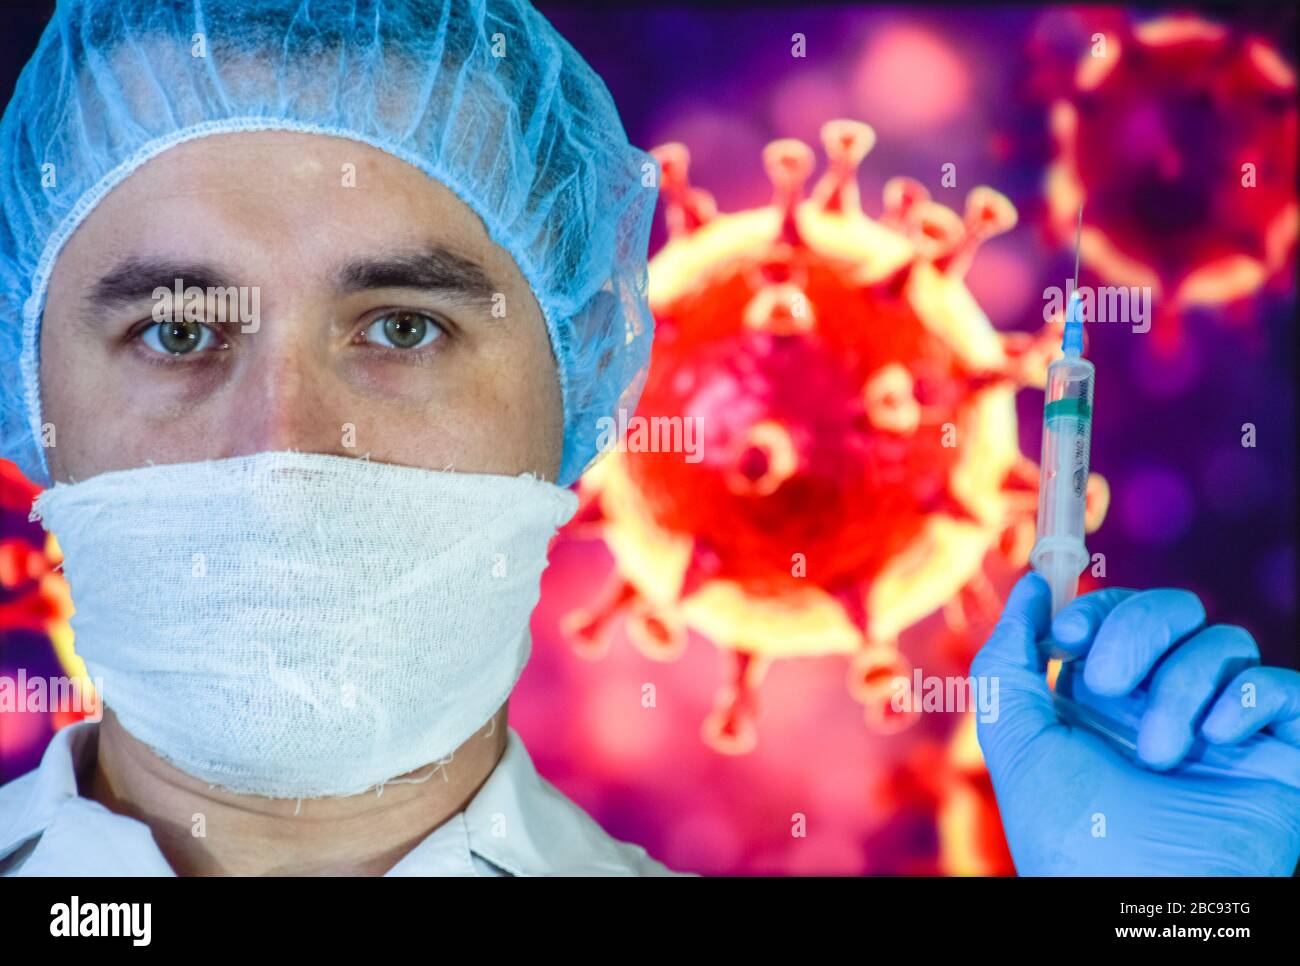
(1178, 135)
(35, 608)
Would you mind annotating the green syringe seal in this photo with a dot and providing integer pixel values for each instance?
(1075, 407)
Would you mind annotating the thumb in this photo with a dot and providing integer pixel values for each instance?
(1015, 669)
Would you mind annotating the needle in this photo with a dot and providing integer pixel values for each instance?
(1078, 240)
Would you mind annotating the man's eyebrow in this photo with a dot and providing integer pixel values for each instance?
(433, 268)
(135, 279)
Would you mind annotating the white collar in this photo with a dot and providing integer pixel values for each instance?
(517, 821)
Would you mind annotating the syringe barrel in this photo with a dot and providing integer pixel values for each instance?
(1059, 552)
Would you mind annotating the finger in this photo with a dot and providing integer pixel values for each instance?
(1256, 698)
(1026, 617)
(1075, 626)
(1184, 685)
(1135, 635)
(1012, 663)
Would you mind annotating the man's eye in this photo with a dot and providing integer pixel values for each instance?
(178, 338)
(403, 330)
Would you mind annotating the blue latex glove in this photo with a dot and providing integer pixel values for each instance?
(1073, 805)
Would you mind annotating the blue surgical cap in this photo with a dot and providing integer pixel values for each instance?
(482, 95)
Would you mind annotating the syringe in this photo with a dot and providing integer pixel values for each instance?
(1060, 555)
(1059, 552)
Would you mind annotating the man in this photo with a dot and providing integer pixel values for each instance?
(319, 159)
(304, 526)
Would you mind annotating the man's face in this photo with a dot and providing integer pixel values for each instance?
(389, 324)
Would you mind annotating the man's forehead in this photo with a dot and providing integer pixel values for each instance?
(390, 219)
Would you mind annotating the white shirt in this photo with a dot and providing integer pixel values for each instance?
(517, 823)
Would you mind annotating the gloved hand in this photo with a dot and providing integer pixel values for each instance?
(1073, 805)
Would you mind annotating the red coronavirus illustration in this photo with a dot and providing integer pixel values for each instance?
(34, 595)
(1178, 136)
(856, 460)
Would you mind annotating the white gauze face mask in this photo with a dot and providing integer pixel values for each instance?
(294, 625)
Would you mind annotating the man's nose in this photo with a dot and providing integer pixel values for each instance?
(283, 399)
